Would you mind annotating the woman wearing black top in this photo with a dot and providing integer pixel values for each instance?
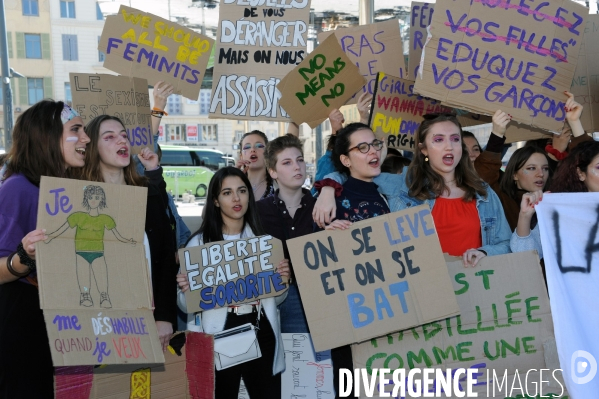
(357, 153)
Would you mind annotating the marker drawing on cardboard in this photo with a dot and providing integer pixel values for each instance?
(89, 244)
(230, 273)
(94, 283)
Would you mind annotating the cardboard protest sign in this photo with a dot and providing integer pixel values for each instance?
(421, 16)
(307, 374)
(144, 45)
(384, 274)
(226, 273)
(258, 44)
(504, 330)
(568, 225)
(325, 80)
(396, 112)
(372, 48)
(517, 57)
(585, 84)
(187, 373)
(93, 274)
(121, 96)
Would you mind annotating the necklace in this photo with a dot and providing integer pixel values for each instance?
(254, 187)
(296, 206)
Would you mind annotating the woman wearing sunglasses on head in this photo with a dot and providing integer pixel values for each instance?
(251, 161)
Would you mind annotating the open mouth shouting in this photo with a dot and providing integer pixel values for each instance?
(374, 162)
(448, 159)
(80, 151)
(238, 208)
(123, 152)
(253, 158)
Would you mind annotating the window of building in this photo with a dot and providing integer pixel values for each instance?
(67, 9)
(209, 133)
(238, 135)
(67, 93)
(35, 90)
(31, 8)
(101, 54)
(173, 104)
(175, 132)
(99, 15)
(69, 48)
(204, 101)
(33, 46)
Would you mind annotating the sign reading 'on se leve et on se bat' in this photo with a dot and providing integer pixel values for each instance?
(325, 80)
(520, 58)
(373, 48)
(383, 274)
(122, 96)
(228, 273)
(93, 274)
(259, 42)
(144, 45)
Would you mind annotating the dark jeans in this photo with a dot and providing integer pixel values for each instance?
(257, 374)
(293, 318)
(342, 359)
(25, 362)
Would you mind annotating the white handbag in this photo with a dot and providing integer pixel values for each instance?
(236, 345)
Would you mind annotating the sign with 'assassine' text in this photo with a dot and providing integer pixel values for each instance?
(322, 82)
(144, 45)
(93, 274)
(396, 112)
(519, 57)
(259, 42)
(121, 96)
(227, 273)
(383, 274)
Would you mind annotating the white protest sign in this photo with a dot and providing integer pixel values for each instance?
(569, 224)
(307, 374)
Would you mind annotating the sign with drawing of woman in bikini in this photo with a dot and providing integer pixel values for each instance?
(89, 244)
(94, 255)
(93, 275)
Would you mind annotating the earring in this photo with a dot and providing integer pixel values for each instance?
(425, 159)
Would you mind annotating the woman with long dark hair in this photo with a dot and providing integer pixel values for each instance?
(49, 140)
(231, 213)
(109, 160)
(577, 173)
(251, 161)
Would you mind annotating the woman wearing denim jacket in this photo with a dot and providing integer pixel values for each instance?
(441, 175)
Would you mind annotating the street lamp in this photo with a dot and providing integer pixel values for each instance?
(204, 4)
